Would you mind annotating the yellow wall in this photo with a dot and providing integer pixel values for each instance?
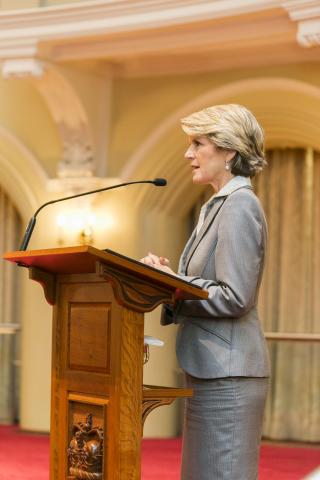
(23, 4)
(15, 4)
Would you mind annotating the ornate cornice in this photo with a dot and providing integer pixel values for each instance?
(21, 31)
(309, 33)
(135, 38)
(307, 14)
(302, 9)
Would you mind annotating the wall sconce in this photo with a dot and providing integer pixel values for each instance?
(77, 225)
(82, 226)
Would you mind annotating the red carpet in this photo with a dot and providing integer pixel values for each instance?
(26, 457)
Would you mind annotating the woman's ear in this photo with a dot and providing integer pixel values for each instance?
(230, 155)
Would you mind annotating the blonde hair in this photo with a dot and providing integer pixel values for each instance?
(231, 127)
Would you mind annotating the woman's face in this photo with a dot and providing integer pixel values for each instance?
(207, 161)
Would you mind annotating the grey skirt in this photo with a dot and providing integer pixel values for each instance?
(222, 428)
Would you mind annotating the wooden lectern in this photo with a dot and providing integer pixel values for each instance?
(98, 402)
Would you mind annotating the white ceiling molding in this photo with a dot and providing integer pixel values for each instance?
(129, 38)
(309, 33)
(302, 9)
(22, 30)
(198, 37)
(307, 14)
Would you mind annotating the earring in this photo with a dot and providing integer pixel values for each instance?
(227, 166)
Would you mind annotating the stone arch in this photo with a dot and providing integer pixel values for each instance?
(21, 174)
(289, 111)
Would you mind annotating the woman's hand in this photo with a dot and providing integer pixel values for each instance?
(161, 263)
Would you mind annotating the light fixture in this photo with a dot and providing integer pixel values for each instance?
(76, 226)
(81, 225)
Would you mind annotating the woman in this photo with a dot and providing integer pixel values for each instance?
(220, 345)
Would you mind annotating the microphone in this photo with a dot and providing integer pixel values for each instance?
(158, 182)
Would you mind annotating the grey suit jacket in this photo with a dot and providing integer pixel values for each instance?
(222, 336)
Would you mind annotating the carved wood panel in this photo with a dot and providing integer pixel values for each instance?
(134, 292)
(47, 281)
(149, 405)
(87, 443)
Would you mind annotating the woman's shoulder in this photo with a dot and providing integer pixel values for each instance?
(243, 194)
(244, 199)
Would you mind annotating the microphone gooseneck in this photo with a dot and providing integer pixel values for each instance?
(158, 182)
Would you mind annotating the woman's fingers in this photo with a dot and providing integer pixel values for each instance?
(151, 259)
(159, 260)
(147, 261)
(164, 261)
(161, 263)
(155, 259)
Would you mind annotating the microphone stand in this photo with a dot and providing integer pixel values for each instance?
(158, 182)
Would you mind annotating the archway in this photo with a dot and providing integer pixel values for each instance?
(20, 174)
(289, 111)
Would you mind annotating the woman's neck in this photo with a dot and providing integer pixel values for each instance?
(220, 182)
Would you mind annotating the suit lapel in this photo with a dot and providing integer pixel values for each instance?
(186, 249)
(194, 240)
(197, 238)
